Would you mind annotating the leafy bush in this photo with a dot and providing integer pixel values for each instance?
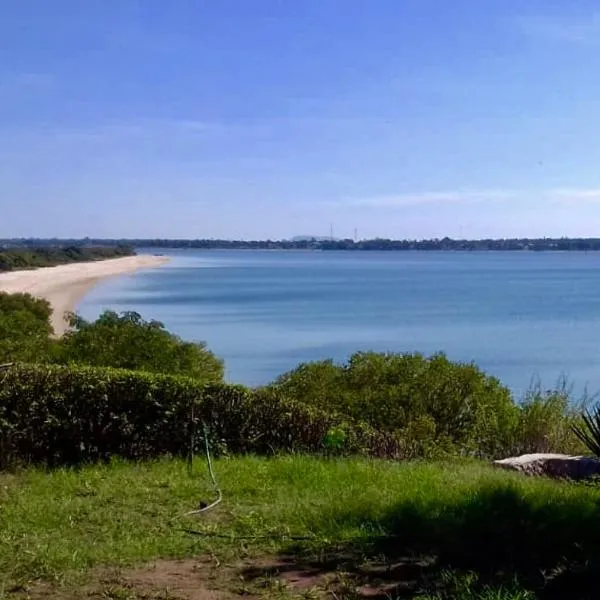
(58, 415)
(390, 405)
(434, 405)
(25, 328)
(122, 341)
(127, 341)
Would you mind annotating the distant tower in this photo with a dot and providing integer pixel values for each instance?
(355, 234)
(331, 231)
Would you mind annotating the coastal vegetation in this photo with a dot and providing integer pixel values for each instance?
(139, 378)
(25, 329)
(67, 415)
(438, 406)
(327, 243)
(121, 341)
(127, 341)
(371, 473)
(45, 255)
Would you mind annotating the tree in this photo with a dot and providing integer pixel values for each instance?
(430, 400)
(128, 341)
(28, 257)
(25, 329)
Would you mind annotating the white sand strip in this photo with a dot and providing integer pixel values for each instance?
(65, 285)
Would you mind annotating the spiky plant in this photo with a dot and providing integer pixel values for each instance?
(588, 431)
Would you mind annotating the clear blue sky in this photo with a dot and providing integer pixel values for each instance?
(271, 118)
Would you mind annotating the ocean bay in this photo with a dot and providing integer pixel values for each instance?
(518, 315)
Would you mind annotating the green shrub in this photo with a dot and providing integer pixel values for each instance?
(127, 341)
(25, 328)
(547, 422)
(58, 415)
(123, 341)
(434, 405)
(66, 415)
(402, 405)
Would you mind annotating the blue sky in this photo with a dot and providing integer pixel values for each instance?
(273, 118)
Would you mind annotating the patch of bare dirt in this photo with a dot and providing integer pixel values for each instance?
(205, 579)
(186, 579)
(189, 579)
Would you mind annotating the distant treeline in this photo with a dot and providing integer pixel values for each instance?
(445, 244)
(26, 256)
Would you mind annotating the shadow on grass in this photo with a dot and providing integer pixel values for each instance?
(498, 535)
(346, 574)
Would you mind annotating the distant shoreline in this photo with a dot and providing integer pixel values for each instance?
(65, 285)
(365, 245)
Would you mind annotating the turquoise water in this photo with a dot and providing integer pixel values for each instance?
(517, 315)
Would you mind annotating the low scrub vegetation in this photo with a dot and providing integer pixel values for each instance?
(128, 341)
(25, 329)
(138, 400)
(442, 406)
(121, 341)
(48, 256)
(549, 421)
(56, 415)
(437, 406)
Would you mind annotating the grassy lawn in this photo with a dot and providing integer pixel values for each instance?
(452, 530)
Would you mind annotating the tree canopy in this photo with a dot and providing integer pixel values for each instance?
(30, 257)
(128, 341)
(25, 329)
(124, 341)
(431, 399)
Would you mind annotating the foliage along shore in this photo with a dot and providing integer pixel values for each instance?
(13, 258)
(122, 386)
(312, 243)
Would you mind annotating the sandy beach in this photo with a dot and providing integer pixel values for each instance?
(65, 285)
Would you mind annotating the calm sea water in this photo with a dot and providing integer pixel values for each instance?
(517, 315)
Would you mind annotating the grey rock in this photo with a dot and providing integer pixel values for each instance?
(552, 465)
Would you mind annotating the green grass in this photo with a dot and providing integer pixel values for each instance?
(486, 527)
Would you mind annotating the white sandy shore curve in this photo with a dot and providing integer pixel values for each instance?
(65, 285)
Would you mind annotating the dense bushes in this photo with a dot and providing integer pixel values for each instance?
(436, 407)
(401, 405)
(67, 415)
(432, 403)
(24, 327)
(127, 341)
(124, 341)
(58, 415)
(33, 257)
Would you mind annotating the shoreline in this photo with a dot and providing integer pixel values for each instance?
(65, 285)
